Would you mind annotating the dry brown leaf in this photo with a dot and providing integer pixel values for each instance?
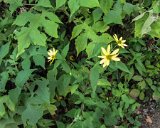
(149, 120)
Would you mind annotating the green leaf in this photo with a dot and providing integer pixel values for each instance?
(50, 28)
(100, 26)
(3, 81)
(122, 66)
(141, 96)
(39, 60)
(73, 88)
(137, 78)
(9, 103)
(26, 63)
(60, 3)
(22, 77)
(52, 109)
(90, 49)
(103, 83)
(94, 76)
(146, 28)
(44, 3)
(14, 4)
(31, 34)
(63, 85)
(65, 51)
(43, 91)
(128, 8)
(139, 24)
(23, 18)
(134, 93)
(60, 124)
(31, 115)
(14, 94)
(156, 6)
(77, 30)
(73, 6)
(81, 43)
(89, 3)
(113, 17)
(97, 13)
(4, 50)
(155, 31)
(106, 5)
(2, 109)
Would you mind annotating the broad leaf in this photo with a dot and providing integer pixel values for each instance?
(60, 3)
(22, 77)
(81, 43)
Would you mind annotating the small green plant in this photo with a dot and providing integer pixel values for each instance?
(51, 53)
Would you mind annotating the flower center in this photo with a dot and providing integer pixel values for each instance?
(108, 57)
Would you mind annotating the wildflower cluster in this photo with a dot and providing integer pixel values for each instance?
(107, 55)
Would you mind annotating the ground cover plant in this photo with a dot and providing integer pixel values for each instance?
(78, 63)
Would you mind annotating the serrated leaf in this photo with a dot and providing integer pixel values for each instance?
(52, 109)
(44, 3)
(94, 76)
(30, 34)
(139, 24)
(97, 13)
(81, 43)
(31, 115)
(113, 16)
(65, 51)
(141, 96)
(128, 8)
(22, 77)
(89, 3)
(3, 80)
(77, 30)
(134, 93)
(155, 31)
(60, 3)
(63, 85)
(4, 50)
(147, 24)
(23, 40)
(23, 18)
(43, 91)
(137, 78)
(106, 5)
(39, 60)
(14, 4)
(26, 63)
(120, 65)
(51, 28)
(60, 124)
(73, 6)
(2, 109)
(14, 94)
(90, 49)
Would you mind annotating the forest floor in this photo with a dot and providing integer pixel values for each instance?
(150, 115)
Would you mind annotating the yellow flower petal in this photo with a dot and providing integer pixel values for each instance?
(103, 51)
(115, 37)
(115, 52)
(101, 56)
(115, 58)
(106, 63)
(108, 49)
(102, 61)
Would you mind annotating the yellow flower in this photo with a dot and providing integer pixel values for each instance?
(107, 56)
(120, 42)
(52, 55)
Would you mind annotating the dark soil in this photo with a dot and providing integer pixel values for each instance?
(150, 112)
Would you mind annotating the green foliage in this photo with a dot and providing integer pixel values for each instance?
(75, 91)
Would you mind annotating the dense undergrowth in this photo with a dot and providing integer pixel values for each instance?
(50, 55)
